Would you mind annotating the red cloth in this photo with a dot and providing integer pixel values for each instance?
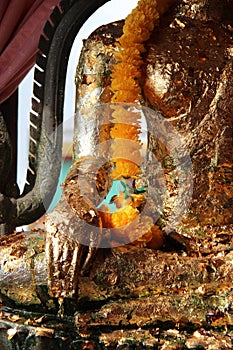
(21, 24)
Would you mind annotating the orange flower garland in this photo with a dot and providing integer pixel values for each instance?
(125, 131)
(125, 79)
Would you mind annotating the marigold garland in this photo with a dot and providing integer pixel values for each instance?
(126, 73)
(136, 30)
(126, 88)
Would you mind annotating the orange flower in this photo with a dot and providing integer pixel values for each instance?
(127, 95)
(138, 199)
(125, 169)
(130, 55)
(125, 83)
(126, 68)
(126, 155)
(125, 131)
(136, 30)
(124, 216)
(126, 42)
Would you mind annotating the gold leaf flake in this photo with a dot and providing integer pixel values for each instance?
(14, 318)
(44, 332)
(40, 319)
(11, 333)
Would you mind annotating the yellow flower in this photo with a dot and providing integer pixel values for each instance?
(127, 95)
(127, 222)
(125, 169)
(130, 55)
(127, 69)
(138, 199)
(124, 216)
(136, 30)
(125, 85)
(125, 131)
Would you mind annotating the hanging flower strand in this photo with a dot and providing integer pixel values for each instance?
(137, 29)
(126, 86)
(126, 73)
(126, 155)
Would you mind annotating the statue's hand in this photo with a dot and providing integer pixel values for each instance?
(74, 227)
